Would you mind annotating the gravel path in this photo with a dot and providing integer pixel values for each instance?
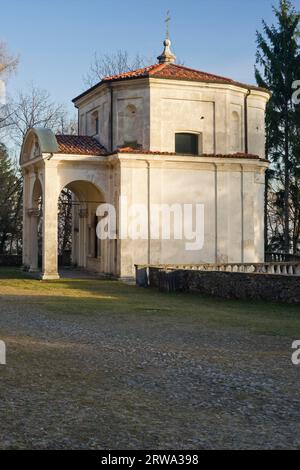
(117, 381)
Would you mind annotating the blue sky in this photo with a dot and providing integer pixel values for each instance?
(56, 39)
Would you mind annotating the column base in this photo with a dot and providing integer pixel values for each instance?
(50, 276)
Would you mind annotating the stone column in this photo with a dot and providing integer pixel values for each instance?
(75, 232)
(33, 215)
(248, 215)
(83, 214)
(223, 221)
(26, 219)
(50, 223)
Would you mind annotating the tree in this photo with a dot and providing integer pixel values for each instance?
(277, 68)
(8, 62)
(33, 108)
(10, 178)
(107, 65)
(65, 208)
(8, 65)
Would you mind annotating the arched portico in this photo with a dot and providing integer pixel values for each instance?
(87, 251)
(47, 171)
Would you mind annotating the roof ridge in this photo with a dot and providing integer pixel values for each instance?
(201, 71)
(157, 68)
(75, 135)
(148, 68)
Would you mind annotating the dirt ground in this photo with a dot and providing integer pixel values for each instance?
(102, 365)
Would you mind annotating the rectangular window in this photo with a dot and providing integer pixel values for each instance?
(186, 144)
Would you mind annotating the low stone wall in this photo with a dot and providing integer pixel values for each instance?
(228, 285)
(10, 260)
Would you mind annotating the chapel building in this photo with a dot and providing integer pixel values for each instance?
(161, 135)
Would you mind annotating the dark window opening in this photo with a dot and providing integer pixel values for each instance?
(132, 143)
(186, 144)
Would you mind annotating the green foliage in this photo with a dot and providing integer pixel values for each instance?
(277, 68)
(81, 298)
(10, 204)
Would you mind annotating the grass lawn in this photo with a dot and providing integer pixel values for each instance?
(95, 364)
(85, 296)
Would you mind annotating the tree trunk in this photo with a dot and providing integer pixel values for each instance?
(286, 187)
(266, 210)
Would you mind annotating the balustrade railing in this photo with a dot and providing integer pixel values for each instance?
(275, 268)
(280, 257)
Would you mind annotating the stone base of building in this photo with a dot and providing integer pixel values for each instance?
(225, 285)
(50, 277)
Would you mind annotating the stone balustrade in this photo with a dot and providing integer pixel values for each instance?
(287, 269)
(275, 282)
(284, 269)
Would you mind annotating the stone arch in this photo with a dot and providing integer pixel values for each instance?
(86, 250)
(84, 188)
(36, 142)
(37, 193)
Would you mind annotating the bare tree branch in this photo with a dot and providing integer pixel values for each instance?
(33, 109)
(106, 65)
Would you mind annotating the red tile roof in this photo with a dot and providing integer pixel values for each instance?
(139, 73)
(79, 145)
(172, 72)
(85, 145)
(208, 155)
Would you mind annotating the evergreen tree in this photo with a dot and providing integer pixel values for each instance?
(10, 204)
(278, 67)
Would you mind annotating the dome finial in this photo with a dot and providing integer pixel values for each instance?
(167, 56)
(167, 21)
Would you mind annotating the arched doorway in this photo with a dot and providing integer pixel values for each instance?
(78, 244)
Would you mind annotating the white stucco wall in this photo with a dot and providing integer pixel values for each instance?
(95, 102)
(131, 113)
(215, 112)
(232, 192)
(163, 107)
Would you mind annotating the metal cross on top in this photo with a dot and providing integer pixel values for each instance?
(167, 21)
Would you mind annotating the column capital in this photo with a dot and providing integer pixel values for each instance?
(33, 212)
(83, 213)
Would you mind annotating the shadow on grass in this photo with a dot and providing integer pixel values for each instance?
(84, 297)
(11, 273)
